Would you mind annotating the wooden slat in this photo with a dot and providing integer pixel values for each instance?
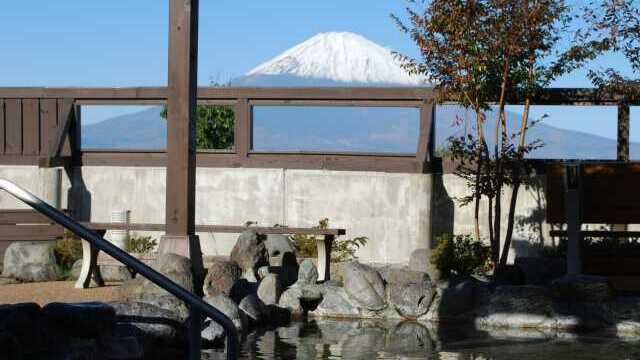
(22, 217)
(48, 125)
(30, 232)
(423, 152)
(242, 128)
(30, 126)
(2, 131)
(13, 127)
(217, 229)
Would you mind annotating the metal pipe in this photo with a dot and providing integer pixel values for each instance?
(157, 278)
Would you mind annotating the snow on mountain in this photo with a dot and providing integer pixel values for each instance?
(340, 57)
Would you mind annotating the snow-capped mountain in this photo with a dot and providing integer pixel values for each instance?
(332, 58)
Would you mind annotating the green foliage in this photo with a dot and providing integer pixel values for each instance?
(461, 255)
(67, 251)
(342, 251)
(142, 244)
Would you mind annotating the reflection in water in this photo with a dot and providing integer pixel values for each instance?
(370, 340)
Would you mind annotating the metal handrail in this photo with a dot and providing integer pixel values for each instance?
(154, 276)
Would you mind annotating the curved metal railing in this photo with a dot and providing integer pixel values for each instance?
(157, 278)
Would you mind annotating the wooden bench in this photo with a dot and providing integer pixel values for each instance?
(596, 193)
(26, 225)
(92, 259)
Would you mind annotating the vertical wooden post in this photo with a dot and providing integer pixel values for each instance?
(573, 173)
(623, 131)
(425, 141)
(181, 153)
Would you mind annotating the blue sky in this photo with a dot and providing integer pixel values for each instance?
(124, 43)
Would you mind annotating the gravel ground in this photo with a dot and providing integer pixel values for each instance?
(59, 291)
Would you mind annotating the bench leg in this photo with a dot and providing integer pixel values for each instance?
(90, 268)
(324, 257)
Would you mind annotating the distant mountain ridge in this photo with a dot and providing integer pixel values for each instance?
(341, 59)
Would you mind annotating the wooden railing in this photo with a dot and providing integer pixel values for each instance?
(41, 126)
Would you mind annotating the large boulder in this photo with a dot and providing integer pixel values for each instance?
(84, 320)
(221, 277)
(308, 273)
(214, 332)
(154, 322)
(394, 274)
(277, 246)
(453, 300)
(115, 273)
(250, 254)
(517, 307)
(582, 288)
(335, 303)
(26, 325)
(420, 261)
(365, 286)
(411, 300)
(30, 262)
(253, 309)
(270, 289)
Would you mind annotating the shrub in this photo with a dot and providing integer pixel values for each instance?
(461, 255)
(343, 250)
(142, 244)
(67, 250)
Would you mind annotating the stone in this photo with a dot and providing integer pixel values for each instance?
(541, 270)
(30, 262)
(270, 289)
(253, 309)
(213, 333)
(8, 281)
(115, 273)
(277, 246)
(411, 300)
(582, 288)
(365, 286)
(166, 328)
(336, 272)
(409, 339)
(420, 261)
(26, 324)
(452, 300)
(121, 348)
(167, 302)
(228, 307)
(394, 274)
(250, 254)
(75, 269)
(290, 300)
(517, 307)
(307, 273)
(83, 320)
(263, 271)
(221, 277)
(509, 275)
(10, 347)
(335, 303)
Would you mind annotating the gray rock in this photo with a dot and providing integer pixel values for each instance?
(394, 274)
(115, 273)
(365, 286)
(221, 277)
(582, 288)
(335, 303)
(84, 320)
(411, 300)
(167, 323)
(249, 253)
(336, 272)
(509, 275)
(420, 261)
(75, 269)
(263, 271)
(30, 262)
(10, 347)
(277, 246)
(518, 307)
(409, 339)
(213, 332)
(541, 270)
(226, 306)
(290, 300)
(270, 289)
(121, 348)
(253, 309)
(451, 301)
(308, 273)
(363, 343)
(176, 268)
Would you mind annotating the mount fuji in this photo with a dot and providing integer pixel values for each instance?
(342, 59)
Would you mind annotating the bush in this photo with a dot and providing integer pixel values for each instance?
(461, 255)
(142, 245)
(343, 250)
(67, 251)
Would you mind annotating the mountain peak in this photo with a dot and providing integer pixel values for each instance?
(342, 57)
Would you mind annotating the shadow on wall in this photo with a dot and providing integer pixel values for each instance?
(442, 210)
(529, 236)
(78, 196)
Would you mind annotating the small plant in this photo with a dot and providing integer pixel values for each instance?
(142, 244)
(461, 255)
(343, 250)
(67, 251)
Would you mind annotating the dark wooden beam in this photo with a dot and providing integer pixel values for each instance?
(423, 152)
(623, 131)
(181, 153)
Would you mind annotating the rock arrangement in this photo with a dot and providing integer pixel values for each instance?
(30, 262)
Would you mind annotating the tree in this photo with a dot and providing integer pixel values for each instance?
(214, 126)
(479, 53)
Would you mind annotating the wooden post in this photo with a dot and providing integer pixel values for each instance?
(181, 153)
(574, 218)
(424, 152)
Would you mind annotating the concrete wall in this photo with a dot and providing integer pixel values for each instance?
(392, 210)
